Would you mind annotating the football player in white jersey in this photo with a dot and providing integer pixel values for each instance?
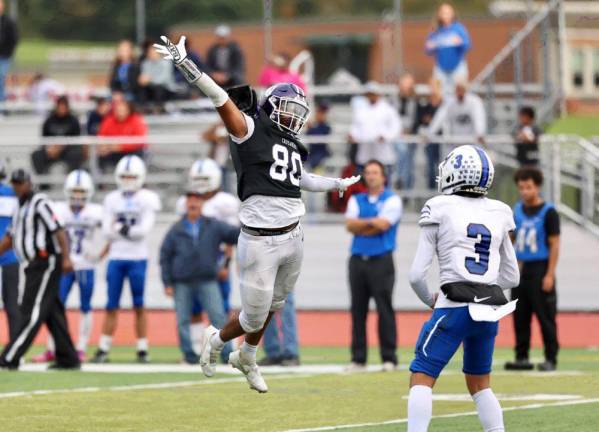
(267, 154)
(129, 216)
(205, 176)
(82, 220)
(471, 236)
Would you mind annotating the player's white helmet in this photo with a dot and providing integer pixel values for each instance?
(78, 188)
(130, 173)
(467, 168)
(204, 176)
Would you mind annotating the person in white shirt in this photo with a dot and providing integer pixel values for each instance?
(462, 115)
(205, 175)
(129, 216)
(471, 236)
(375, 127)
(82, 220)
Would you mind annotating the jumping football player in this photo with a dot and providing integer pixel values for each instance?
(471, 236)
(205, 176)
(129, 216)
(267, 155)
(81, 220)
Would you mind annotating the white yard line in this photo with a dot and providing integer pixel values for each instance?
(132, 387)
(462, 414)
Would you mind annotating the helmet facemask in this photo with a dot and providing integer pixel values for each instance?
(78, 197)
(289, 114)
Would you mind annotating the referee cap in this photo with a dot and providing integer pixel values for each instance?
(20, 176)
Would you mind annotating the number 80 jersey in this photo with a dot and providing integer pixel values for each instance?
(267, 161)
(81, 228)
(469, 237)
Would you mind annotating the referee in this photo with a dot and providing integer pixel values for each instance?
(537, 249)
(38, 239)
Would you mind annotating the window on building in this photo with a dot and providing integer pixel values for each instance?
(596, 67)
(577, 67)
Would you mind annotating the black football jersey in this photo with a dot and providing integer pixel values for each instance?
(268, 163)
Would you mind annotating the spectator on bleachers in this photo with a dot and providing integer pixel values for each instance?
(277, 71)
(125, 71)
(406, 150)
(527, 135)
(448, 43)
(8, 43)
(43, 90)
(425, 112)
(319, 152)
(375, 127)
(460, 115)
(60, 123)
(95, 116)
(122, 121)
(156, 80)
(225, 60)
(280, 337)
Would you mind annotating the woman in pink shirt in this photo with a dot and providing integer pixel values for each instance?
(277, 71)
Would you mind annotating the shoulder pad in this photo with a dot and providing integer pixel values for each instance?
(245, 98)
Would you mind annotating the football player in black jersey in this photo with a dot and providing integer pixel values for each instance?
(267, 155)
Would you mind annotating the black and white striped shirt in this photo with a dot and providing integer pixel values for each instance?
(33, 226)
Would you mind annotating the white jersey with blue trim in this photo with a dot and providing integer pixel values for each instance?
(469, 238)
(137, 210)
(223, 206)
(81, 228)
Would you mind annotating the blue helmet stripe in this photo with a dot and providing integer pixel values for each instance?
(78, 177)
(484, 177)
(128, 165)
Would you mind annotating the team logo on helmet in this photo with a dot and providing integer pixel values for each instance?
(466, 169)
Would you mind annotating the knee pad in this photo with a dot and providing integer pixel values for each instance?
(251, 323)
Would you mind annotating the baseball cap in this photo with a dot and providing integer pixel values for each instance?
(223, 31)
(373, 87)
(20, 176)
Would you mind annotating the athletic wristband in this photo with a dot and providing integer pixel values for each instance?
(195, 76)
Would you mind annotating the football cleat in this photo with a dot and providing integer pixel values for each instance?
(247, 365)
(143, 357)
(45, 357)
(209, 355)
(100, 357)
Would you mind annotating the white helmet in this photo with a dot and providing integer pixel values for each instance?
(130, 173)
(78, 188)
(467, 168)
(204, 176)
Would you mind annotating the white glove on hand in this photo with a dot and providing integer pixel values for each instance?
(344, 183)
(170, 51)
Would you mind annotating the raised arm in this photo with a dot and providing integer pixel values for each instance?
(232, 117)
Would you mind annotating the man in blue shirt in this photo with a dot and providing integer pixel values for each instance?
(537, 239)
(9, 266)
(189, 262)
(373, 218)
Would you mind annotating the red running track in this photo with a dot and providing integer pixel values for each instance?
(332, 328)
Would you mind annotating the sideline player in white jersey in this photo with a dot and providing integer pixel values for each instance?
(82, 220)
(471, 236)
(129, 216)
(267, 155)
(205, 176)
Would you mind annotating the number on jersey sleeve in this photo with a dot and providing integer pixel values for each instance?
(479, 264)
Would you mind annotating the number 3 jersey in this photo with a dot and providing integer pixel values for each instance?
(269, 169)
(469, 238)
(136, 210)
(81, 228)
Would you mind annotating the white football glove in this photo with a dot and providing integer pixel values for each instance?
(170, 51)
(344, 183)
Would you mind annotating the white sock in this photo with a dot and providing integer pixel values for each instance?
(85, 329)
(489, 411)
(105, 342)
(216, 341)
(50, 343)
(196, 331)
(248, 349)
(142, 344)
(420, 408)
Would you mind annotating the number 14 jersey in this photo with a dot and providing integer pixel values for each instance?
(81, 228)
(469, 237)
(269, 168)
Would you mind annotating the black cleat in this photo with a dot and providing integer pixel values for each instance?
(270, 361)
(546, 366)
(100, 357)
(291, 361)
(143, 357)
(519, 364)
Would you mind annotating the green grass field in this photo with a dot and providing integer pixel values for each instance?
(96, 401)
(585, 126)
